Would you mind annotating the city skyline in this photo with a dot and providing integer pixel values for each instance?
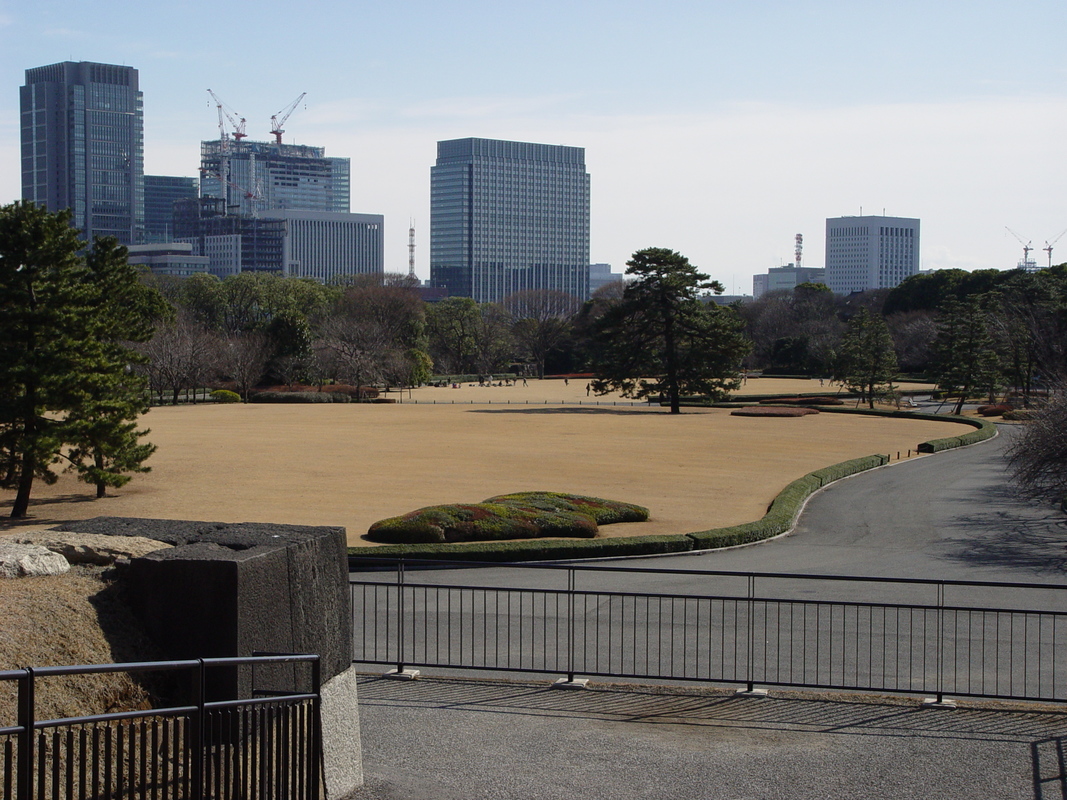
(763, 121)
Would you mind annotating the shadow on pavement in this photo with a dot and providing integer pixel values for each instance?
(822, 713)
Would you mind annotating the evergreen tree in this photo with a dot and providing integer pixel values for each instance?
(662, 339)
(868, 360)
(966, 358)
(64, 364)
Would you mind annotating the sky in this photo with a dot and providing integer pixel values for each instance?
(717, 128)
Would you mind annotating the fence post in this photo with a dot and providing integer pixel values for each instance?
(400, 618)
(315, 774)
(196, 731)
(570, 624)
(751, 630)
(25, 720)
(940, 641)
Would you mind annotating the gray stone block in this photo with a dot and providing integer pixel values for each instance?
(230, 590)
(342, 754)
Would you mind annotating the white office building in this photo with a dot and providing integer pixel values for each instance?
(870, 252)
(324, 245)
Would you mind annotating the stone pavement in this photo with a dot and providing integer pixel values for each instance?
(449, 738)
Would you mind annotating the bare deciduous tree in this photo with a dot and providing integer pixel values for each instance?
(1038, 457)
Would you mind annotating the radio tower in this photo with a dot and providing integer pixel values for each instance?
(799, 238)
(411, 250)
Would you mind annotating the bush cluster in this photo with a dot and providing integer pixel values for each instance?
(996, 410)
(524, 515)
(803, 401)
(225, 396)
(299, 397)
(773, 411)
(1020, 414)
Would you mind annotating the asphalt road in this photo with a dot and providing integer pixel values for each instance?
(951, 515)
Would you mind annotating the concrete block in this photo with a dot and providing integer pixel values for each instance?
(342, 755)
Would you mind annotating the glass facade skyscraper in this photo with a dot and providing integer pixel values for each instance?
(82, 131)
(508, 216)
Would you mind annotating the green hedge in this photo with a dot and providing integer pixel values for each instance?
(299, 397)
(779, 517)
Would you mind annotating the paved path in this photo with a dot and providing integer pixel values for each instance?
(465, 740)
(951, 515)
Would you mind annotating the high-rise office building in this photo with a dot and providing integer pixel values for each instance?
(161, 192)
(870, 252)
(263, 176)
(508, 216)
(82, 131)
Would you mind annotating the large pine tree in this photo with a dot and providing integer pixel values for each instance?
(661, 339)
(69, 392)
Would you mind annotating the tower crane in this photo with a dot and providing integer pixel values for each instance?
(1026, 246)
(1048, 246)
(276, 123)
(227, 113)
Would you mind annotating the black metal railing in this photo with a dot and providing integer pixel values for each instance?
(260, 748)
(964, 638)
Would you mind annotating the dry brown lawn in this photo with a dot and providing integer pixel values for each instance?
(351, 465)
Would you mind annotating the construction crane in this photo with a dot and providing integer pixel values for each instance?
(1048, 246)
(228, 114)
(1026, 247)
(276, 123)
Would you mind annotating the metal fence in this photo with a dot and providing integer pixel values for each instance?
(962, 638)
(263, 748)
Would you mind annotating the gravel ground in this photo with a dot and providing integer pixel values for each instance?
(445, 739)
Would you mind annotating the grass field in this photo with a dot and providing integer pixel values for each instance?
(352, 465)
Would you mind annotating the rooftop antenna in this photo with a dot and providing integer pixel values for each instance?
(411, 249)
(799, 239)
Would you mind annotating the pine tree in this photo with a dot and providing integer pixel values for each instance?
(64, 364)
(966, 357)
(868, 360)
(662, 339)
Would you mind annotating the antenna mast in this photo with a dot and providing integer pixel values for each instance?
(411, 249)
(799, 238)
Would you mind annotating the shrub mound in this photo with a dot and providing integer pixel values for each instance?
(299, 397)
(773, 411)
(523, 515)
(1020, 414)
(994, 410)
(803, 401)
(225, 396)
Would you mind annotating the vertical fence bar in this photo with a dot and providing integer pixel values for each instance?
(940, 641)
(571, 582)
(400, 652)
(751, 631)
(25, 741)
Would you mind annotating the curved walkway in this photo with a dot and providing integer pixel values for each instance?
(951, 515)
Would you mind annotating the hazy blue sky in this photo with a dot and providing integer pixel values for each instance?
(716, 128)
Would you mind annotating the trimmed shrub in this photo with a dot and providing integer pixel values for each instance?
(994, 410)
(524, 515)
(803, 401)
(299, 397)
(1020, 414)
(604, 512)
(225, 396)
(772, 411)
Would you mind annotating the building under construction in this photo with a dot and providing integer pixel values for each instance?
(260, 176)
